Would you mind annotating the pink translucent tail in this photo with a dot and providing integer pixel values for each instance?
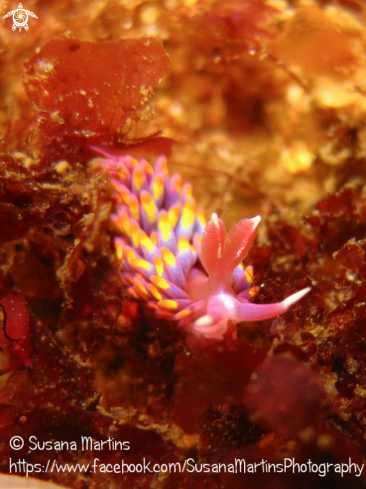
(258, 312)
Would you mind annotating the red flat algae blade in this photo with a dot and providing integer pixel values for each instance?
(94, 86)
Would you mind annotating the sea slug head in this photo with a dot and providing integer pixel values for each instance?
(222, 297)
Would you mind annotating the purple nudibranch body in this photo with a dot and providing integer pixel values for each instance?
(182, 268)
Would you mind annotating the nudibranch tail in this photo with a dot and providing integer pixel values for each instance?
(259, 312)
(183, 269)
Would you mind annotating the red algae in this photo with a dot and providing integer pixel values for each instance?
(94, 87)
(236, 26)
(102, 366)
(91, 93)
(284, 396)
(351, 255)
(15, 334)
(212, 377)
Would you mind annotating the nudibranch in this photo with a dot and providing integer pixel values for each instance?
(182, 268)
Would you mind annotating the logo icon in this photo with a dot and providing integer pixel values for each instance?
(20, 18)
